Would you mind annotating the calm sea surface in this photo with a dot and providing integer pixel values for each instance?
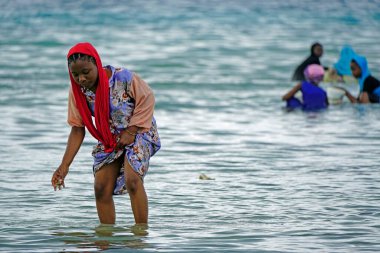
(283, 182)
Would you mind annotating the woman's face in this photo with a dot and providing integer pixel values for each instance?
(355, 69)
(318, 51)
(85, 73)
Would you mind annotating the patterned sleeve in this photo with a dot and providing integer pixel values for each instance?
(73, 116)
(144, 104)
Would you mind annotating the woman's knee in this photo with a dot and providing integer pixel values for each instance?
(105, 179)
(102, 192)
(133, 183)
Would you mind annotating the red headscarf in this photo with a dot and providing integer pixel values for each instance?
(102, 130)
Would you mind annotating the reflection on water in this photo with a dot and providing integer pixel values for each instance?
(103, 237)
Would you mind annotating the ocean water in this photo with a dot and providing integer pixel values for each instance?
(282, 181)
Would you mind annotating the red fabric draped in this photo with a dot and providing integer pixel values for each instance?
(102, 130)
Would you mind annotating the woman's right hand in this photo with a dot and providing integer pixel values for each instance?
(58, 178)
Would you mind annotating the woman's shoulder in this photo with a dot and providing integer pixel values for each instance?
(121, 74)
(372, 79)
(370, 83)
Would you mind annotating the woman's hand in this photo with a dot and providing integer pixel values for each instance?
(352, 99)
(58, 178)
(126, 137)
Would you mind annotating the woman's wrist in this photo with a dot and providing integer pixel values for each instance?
(130, 133)
(132, 130)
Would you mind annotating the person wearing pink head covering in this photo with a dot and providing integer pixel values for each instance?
(313, 96)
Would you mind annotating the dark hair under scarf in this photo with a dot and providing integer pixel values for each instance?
(312, 59)
(101, 130)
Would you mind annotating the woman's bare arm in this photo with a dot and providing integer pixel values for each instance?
(74, 142)
(292, 92)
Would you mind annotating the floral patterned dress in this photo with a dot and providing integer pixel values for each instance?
(122, 106)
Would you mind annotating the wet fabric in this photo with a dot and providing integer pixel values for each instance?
(293, 103)
(137, 154)
(372, 87)
(313, 98)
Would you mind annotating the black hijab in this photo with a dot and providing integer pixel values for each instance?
(312, 59)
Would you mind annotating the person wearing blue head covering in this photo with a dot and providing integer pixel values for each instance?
(341, 71)
(369, 86)
(342, 66)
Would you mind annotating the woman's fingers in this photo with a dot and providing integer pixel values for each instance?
(57, 180)
(124, 139)
(60, 183)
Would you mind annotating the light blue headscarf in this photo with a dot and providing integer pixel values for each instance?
(342, 66)
(362, 62)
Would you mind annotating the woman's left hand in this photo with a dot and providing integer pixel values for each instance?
(126, 137)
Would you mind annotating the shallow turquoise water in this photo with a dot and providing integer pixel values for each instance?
(284, 182)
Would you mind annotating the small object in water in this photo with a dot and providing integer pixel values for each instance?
(203, 176)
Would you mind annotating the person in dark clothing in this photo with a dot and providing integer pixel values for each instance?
(316, 53)
(369, 86)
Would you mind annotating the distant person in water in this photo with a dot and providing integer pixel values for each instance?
(316, 52)
(369, 86)
(313, 96)
(341, 70)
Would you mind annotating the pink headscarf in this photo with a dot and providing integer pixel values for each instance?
(314, 73)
